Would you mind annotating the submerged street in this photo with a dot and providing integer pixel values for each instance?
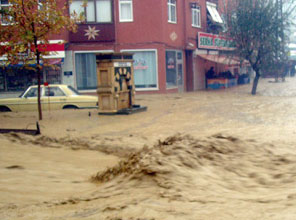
(216, 154)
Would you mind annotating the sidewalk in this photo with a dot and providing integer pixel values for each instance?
(9, 94)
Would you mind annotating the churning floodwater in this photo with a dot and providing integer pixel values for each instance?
(217, 154)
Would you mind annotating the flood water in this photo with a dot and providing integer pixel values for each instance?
(222, 154)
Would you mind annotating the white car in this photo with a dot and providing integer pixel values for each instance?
(53, 97)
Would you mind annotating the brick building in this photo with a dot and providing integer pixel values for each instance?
(174, 42)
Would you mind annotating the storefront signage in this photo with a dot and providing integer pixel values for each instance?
(68, 73)
(214, 42)
(140, 64)
(122, 64)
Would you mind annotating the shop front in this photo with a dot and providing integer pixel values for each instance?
(16, 78)
(174, 70)
(145, 69)
(216, 66)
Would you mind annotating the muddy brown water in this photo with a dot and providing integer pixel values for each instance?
(203, 155)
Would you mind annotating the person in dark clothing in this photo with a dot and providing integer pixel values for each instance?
(210, 74)
(292, 71)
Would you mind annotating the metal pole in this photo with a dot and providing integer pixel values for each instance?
(277, 42)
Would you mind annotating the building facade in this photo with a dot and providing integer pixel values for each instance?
(174, 43)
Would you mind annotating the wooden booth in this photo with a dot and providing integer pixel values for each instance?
(116, 88)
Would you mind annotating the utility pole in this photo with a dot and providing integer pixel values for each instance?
(277, 44)
(279, 39)
(282, 46)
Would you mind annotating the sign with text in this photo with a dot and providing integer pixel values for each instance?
(214, 42)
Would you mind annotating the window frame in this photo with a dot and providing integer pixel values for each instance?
(82, 91)
(95, 12)
(213, 11)
(170, 6)
(51, 88)
(1, 18)
(129, 2)
(156, 67)
(196, 12)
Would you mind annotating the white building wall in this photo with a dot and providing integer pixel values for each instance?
(68, 67)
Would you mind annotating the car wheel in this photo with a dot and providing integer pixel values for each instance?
(70, 107)
(4, 109)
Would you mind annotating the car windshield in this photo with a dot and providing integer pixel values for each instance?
(32, 92)
(23, 92)
(74, 90)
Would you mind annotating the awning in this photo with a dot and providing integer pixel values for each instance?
(230, 61)
(55, 49)
(214, 13)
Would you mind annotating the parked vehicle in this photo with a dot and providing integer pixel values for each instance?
(53, 97)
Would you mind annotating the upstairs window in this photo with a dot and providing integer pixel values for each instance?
(172, 11)
(195, 13)
(214, 14)
(125, 10)
(4, 6)
(93, 11)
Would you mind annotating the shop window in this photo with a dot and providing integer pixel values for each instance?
(18, 78)
(145, 69)
(52, 75)
(125, 10)
(171, 69)
(86, 75)
(4, 7)
(174, 69)
(93, 11)
(172, 11)
(2, 80)
(195, 13)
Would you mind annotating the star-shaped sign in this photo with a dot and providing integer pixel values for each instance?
(91, 32)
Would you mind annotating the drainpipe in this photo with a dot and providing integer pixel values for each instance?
(185, 42)
(115, 10)
(185, 24)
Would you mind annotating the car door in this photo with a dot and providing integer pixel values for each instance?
(28, 102)
(53, 98)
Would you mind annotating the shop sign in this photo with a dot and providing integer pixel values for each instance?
(140, 64)
(171, 63)
(215, 42)
(68, 73)
(122, 64)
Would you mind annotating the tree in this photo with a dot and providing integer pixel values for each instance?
(258, 30)
(30, 23)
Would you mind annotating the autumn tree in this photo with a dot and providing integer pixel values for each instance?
(28, 27)
(259, 31)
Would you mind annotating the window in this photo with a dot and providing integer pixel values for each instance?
(33, 92)
(212, 9)
(172, 13)
(86, 72)
(174, 69)
(75, 92)
(4, 6)
(145, 69)
(195, 11)
(99, 11)
(171, 69)
(53, 91)
(125, 10)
